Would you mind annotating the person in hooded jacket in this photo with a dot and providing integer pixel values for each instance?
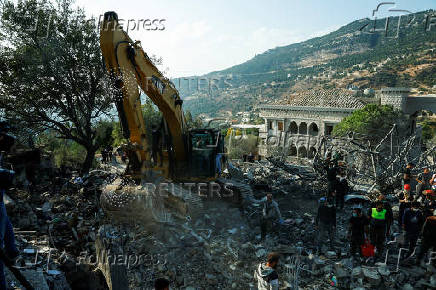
(266, 273)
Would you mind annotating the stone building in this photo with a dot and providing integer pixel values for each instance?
(297, 123)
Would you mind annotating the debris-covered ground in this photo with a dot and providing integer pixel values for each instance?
(68, 242)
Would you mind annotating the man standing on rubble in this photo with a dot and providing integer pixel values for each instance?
(407, 174)
(378, 226)
(423, 181)
(405, 201)
(270, 212)
(266, 273)
(325, 222)
(428, 238)
(412, 223)
(357, 229)
(389, 213)
(332, 171)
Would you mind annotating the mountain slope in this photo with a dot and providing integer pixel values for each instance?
(351, 55)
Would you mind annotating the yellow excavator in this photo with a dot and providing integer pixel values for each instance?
(187, 154)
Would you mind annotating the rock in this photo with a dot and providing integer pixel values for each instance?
(372, 276)
(400, 277)
(299, 221)
(384, 271)
(331, 254)
(261, 253)
(327, 269)
(416, 272)
(357, 272)
(407, 287)
(340, 271)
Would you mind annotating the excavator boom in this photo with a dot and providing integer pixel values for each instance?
(129, 66)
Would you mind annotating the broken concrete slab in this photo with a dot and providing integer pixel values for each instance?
(372, 276)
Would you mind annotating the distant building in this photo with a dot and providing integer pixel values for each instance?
(297, 123)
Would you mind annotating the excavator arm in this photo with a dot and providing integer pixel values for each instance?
(130, 67)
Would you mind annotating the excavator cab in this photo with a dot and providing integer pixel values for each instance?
(204, 147)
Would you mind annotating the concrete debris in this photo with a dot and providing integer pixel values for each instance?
(372, 276)
(68, 242)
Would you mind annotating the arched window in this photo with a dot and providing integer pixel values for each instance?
(293, 128)
(303, 128)
(313, 129)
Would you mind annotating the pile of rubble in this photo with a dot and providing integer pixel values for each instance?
(68, 242)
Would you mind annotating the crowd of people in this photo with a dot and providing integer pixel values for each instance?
(373, 227)
(416, 215)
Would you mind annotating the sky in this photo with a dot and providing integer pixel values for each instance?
(203, 36)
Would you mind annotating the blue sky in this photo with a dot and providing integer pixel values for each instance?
(204, 36)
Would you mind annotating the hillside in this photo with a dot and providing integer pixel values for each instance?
(349, 56)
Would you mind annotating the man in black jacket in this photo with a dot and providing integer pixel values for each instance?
(428, 238)
(357, 229)
(325, 222)
(332, 171)
(412, 223)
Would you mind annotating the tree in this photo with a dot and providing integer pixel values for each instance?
(152, 118)
(191, 122)
(104, 131)
(372, 120)
(51, 74)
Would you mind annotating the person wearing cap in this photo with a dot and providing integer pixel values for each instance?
(428, 233)
(358, 226)
(429, 203)
(423, 181)
(325, 222)
(405, 200)
(412, 223)
(378, 226)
